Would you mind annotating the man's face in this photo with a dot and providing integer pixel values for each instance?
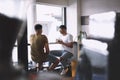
(61, 30)
(39, 30)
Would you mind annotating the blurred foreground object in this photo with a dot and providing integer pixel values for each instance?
(12, 19)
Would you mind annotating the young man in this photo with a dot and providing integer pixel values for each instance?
(66, 40)
(40, 49)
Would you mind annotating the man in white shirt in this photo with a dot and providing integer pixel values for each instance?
(66, 40)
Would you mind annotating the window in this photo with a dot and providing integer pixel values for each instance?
(51, 18)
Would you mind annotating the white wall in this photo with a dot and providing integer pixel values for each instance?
(89, 7)
(73, 18)
(55, 2)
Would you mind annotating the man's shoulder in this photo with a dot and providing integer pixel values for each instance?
(43, 35)
(32, 35)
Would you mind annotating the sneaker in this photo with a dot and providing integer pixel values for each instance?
(64, 71)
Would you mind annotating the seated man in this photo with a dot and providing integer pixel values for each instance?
(40, 49)
(66, 40)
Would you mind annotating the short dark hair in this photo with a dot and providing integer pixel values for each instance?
(38, 26)
(63, 27)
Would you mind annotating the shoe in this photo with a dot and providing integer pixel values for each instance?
(64, 71)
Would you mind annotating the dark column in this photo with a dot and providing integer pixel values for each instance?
(114, 53)
(64, 16)
(23, 50)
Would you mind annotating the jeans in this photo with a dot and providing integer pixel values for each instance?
(64, 54)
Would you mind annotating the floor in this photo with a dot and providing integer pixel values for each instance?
(46, 75)
(33, 76)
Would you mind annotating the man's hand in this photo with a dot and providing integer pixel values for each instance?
(59, 41)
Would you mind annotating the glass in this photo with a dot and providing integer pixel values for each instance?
(12, 24)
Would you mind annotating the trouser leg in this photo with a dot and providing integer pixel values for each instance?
(65, 58)
(53, 60)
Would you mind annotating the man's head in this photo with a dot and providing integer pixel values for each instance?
(62, 29)
(38, 28)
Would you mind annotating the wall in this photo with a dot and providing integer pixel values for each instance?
(55, 2)
(89, 7)
(73, 18)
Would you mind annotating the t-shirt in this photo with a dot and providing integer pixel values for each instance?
(37, 47)
(66, 39)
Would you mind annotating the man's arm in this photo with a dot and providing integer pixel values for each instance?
(47, 48)
(67, 44)
(70, 44)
